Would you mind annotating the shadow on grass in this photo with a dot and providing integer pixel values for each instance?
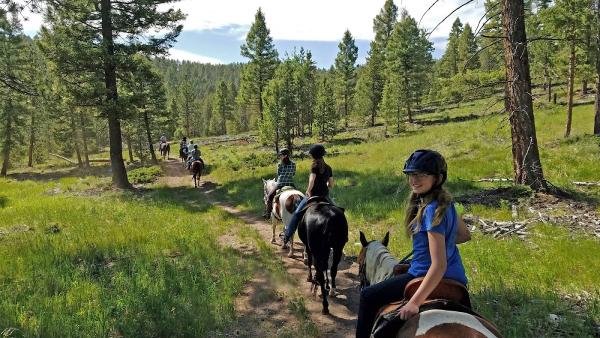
(448, 119)
(528, 313)
(99, 171)
(371, 195)
(187, 197)
(3, 201)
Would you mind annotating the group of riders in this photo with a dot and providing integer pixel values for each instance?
(188, 151)
(431, 220)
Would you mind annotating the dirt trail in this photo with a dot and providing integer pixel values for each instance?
(268, 306)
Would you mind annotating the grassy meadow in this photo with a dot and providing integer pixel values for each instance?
(78, 259)
(515, 283)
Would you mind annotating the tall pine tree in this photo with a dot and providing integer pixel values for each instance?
(345, 73)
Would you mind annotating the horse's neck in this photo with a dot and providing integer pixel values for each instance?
(379, 263)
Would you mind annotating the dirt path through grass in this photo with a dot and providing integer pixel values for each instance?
(269, 307)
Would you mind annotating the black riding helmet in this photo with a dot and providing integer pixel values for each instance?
(427, 161)
(317, 151)
(284, 152)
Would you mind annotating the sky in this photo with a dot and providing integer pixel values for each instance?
(214, 29)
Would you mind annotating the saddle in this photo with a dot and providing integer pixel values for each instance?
(449, 295)
(318, 200)
(276, 199)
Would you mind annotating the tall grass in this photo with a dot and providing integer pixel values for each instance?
(78, 263)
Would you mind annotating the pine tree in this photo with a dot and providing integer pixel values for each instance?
(259, 48)
(569, 19)
(325, 110)
(467, 47)
(491, 54)
(14, 85)
(408, 61)
(84, 34)
(345, 73)
(449, 64)
(372, 80)
(221, 109)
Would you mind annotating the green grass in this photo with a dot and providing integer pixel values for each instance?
(79, 262)
(144, 174)
(515, 283)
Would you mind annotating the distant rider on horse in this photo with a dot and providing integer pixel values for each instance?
(319, 183)
(286, 170)
(195, 156)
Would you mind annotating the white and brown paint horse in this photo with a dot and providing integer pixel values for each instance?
(376, 264)
(282, 209)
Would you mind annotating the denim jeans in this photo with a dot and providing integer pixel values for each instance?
(374, 297)
(291, 227)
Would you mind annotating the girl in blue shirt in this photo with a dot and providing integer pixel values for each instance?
(432, 221)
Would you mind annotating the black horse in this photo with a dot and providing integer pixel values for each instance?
(183, 154)
(323, 228)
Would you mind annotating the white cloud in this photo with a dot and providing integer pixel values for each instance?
(320, 20)
(323, 20)
(181, 55)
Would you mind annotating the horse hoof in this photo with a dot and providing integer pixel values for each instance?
(290, 254)
(273, 241)
(284, 246)
(325, 311)
(309, 279)
(305, 261)
(333, 293)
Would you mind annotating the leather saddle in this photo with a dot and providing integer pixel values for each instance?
(449, 295)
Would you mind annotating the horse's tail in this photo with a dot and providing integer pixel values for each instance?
(333, 233)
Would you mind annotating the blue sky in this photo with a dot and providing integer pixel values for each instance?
(214, 30)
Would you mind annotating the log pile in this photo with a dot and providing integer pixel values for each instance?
(498, 229)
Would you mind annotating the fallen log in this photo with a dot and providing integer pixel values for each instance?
(494, 180)
(587, 184)
(63, 158)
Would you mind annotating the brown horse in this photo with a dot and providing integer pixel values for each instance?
(165, 149)
(196, 169)
(446, 314)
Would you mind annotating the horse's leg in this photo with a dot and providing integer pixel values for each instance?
(309, 263)
(321, 280)
(274, 226)
(291, 252)
(337, 256)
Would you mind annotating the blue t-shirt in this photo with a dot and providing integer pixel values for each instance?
(448, 227)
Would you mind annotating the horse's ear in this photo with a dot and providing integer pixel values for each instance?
(386, 239)
(363, 239)
(263, 180)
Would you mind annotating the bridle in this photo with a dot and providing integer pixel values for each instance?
(362, 268)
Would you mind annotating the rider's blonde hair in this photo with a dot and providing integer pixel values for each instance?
(415, 206)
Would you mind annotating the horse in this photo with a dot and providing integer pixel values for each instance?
(440, 318)
(283, 208)
(196, 169)
(323, 229)
(183, 154)
(165, 149)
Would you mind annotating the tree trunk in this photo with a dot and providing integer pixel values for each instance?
(31, 139)
(129, 147)
(119, 174)
(7, 139)
(526, 158)
(571, 86)
(149, 136)
(550, 90)
(547, 83)
(597, 103)
(75, 139)
(347, 115)
(86, 153)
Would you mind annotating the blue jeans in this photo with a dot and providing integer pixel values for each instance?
(374, 297)
(290, 229)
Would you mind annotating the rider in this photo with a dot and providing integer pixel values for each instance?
(286, 169)
(195, 155)
(190, 148)
(319, 183)
(432, 221)
(183, 143)
(163, 139)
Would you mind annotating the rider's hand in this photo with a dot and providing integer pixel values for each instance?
(408, 310)
(307, 194)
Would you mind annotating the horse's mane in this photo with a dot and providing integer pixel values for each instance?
(379, 262)
(271, 185)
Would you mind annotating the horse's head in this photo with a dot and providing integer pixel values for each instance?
(367, 248)
(268, 187)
